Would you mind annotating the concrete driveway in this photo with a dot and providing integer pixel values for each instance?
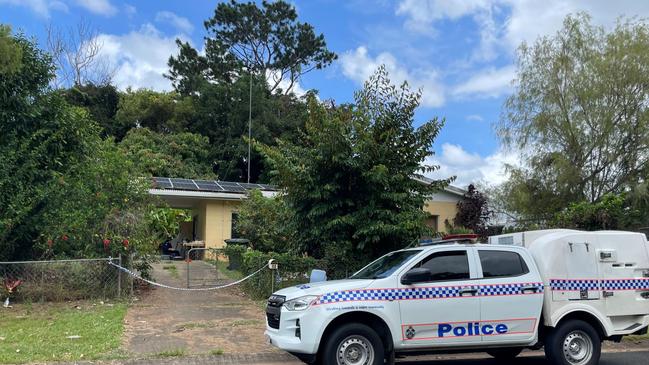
(165, 322)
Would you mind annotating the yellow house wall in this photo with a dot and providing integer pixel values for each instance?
(216, 224)
(214, 218)
(443, 210)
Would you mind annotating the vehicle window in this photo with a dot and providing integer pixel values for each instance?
(385, 265)
(502, 263)
(449, 265)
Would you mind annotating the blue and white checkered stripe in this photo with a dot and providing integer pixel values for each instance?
(595, 284)
(507, 289)
(626, 284)
(422, 293)
(575, 285)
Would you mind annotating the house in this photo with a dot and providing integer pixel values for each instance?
(214, 205)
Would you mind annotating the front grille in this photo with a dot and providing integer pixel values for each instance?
(274, 310)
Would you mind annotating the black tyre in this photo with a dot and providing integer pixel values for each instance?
(353, 344)
(504, 354)
(573, 342)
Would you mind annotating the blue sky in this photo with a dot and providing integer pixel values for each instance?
(461, 53)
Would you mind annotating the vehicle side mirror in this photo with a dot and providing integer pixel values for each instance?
(416, 275)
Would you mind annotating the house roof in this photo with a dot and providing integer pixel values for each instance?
(230, 189)
(448, 188)
(211, 186)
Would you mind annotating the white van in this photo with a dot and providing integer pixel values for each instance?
(562, 289)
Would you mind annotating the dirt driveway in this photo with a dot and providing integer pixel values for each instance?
(167, 321)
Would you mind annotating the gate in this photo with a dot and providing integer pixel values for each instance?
(206, 267)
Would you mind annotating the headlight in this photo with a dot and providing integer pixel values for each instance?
(301, 303)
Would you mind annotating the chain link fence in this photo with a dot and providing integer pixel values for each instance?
(64, 280)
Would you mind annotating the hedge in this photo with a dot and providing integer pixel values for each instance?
(292, 270)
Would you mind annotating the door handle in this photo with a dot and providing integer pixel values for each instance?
(531, 288)
(469, 291)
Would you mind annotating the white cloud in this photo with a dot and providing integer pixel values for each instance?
(358, 65)
(491, 82)
(475, 117)
(284, 84)
(140, 57)
(526, 20)
(40, 7)
(469, 168)
(422, 13)
(100, 7)
(180, 23)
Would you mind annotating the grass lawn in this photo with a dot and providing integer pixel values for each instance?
(59, 331)
(637, 338)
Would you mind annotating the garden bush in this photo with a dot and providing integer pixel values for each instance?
(292, 270)
(235, 255)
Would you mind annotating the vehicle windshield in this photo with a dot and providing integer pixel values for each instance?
(386, 265)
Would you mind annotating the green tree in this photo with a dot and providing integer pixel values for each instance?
(349, 180)
(267, 223)
(62, 188)
(163, 112)
(100, 199)
(610, 212)
(183, 155)
(101, 102)
(10, 52)
(580, 114)
(269, 41)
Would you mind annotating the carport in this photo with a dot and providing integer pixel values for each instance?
(213, 204)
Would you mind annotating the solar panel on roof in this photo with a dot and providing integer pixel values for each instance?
(268, 187)
(232, 186)
(208, 185)
(183, 184)
(249, 186)
(162, 183)
(181, 181)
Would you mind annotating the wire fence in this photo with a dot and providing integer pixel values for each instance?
(63, 280)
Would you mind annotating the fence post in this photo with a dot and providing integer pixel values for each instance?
(130, 278)
(119, 279)
(216, 263)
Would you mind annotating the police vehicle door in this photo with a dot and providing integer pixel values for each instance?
(511, 296)
(437, 312)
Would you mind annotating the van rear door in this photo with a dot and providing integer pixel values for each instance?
(624, 265)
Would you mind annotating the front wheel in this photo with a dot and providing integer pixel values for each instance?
(573, 342)
(353, 344)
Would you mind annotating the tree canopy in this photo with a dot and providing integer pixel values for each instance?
(349, 177)
(269, 41)
(253, 55)
(62, 187)
(580, 115)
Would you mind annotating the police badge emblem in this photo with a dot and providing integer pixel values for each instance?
(410, 332)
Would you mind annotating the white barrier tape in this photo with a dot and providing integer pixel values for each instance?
(185, 289)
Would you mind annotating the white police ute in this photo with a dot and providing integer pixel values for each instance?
(564, 290)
